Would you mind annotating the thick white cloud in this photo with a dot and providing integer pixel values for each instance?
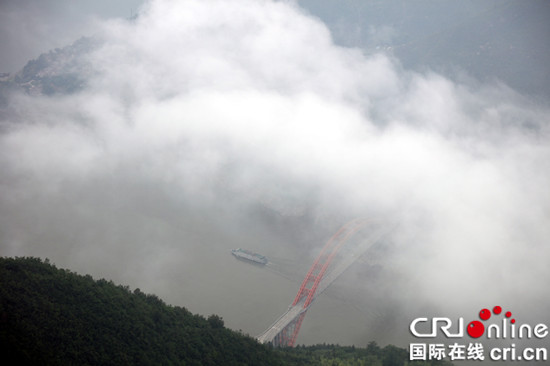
(203, 117)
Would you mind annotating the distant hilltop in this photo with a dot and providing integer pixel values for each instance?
(60, 71)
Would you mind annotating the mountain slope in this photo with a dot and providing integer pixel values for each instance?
(51, 316)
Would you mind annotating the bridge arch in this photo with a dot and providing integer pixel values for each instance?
(285, 330)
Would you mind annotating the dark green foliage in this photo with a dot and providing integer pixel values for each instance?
(215, 321)
(372, 355)
(51, 316)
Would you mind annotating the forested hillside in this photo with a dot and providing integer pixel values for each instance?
(51, 316)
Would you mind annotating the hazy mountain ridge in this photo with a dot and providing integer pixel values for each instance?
(60, 71)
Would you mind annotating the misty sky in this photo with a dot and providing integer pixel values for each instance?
(209, 125)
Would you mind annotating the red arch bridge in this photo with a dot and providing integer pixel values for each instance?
(321, 274)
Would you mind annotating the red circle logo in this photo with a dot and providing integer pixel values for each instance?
(475, 329)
